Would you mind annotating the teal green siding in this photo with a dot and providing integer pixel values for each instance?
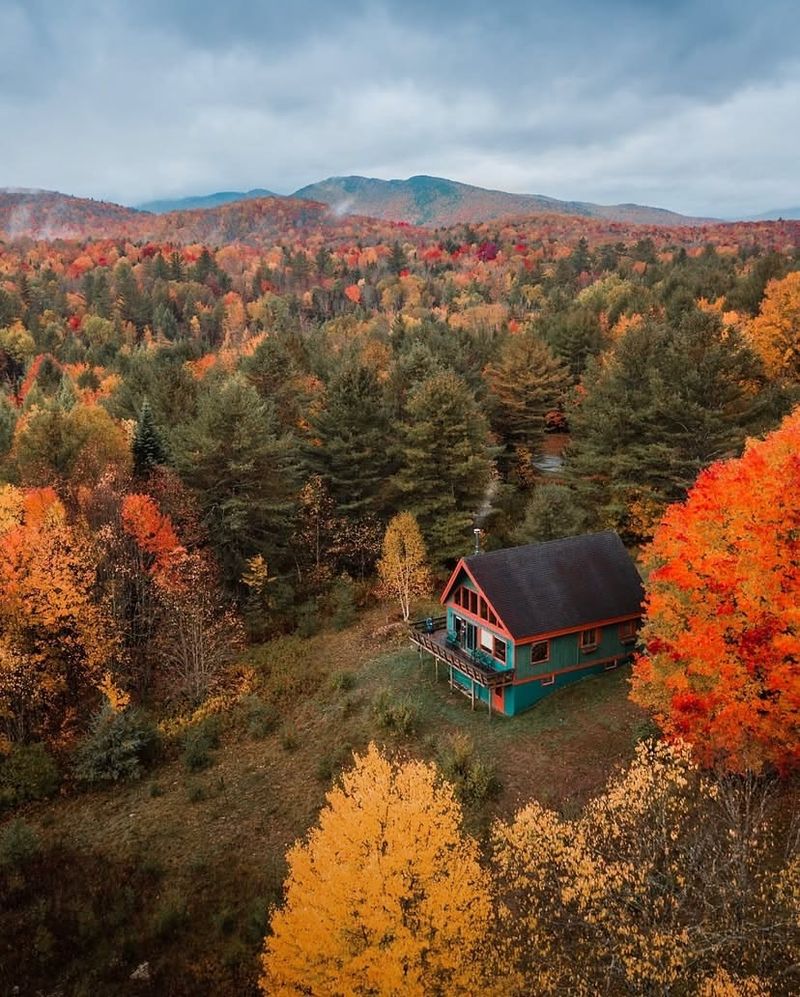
(522, 697)
(566, 663)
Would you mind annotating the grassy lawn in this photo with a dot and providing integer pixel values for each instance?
(205, 850)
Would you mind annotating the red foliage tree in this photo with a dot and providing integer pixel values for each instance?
(721, 666)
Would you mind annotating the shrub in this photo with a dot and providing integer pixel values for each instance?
(473, 778)
(342, 681)
(308, 622)
(261, 718)
(645, 730)
(118, 746)
(196, 793)
(170, 918)
(199, 742)
(29, 773)
(332, 762)
(342, 602)
(18, 844)
(289, 738)
(288, 670)
(391, 713)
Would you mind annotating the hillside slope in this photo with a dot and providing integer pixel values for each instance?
(424, 200)
(204, 201)
(47, 214)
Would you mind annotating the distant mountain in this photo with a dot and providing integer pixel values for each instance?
(434, 201)
(267, 221)
(203, 201)
(785, 214)
(46, 214)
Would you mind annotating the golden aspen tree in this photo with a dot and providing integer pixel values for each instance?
(403, 567)
(775, 331)
(386, 895)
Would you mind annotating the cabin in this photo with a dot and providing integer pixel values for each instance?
(524, 621)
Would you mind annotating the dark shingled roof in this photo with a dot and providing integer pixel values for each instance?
(560, 584)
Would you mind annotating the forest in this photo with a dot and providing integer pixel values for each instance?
(222, 441)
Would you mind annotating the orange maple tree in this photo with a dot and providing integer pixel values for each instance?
(56, 638)
(155, 536)
(721, 666)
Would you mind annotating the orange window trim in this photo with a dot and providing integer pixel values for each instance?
(546, 658)
(588, 645)
(445, 599)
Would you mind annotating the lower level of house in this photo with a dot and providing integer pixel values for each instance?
(510, 677)
(519, 696)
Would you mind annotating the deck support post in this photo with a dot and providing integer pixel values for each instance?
(472, 693)
(436, 666)
(489, 697)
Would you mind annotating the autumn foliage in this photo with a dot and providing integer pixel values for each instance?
(722, 631)
(403, 567)
(56, 639)
(775, 331)
(667, 882)
(155, 536)
(386, 896)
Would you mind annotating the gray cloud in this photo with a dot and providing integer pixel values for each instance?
(693, 106)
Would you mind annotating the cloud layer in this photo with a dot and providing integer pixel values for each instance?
(692, 106)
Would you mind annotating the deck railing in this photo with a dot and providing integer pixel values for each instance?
(477, 666)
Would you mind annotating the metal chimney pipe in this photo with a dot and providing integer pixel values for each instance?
(477, 532)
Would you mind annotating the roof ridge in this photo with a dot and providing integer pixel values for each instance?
(541, 543)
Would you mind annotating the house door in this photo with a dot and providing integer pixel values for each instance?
(459, 626)
(472, 636)
(498, 699)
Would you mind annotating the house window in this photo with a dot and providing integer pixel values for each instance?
(549, 680)
(590, 638)
(486, 639)
(627, 631)
(500, 649)
(484, 614)
(540, 652)
(473, 602)
(492, 618)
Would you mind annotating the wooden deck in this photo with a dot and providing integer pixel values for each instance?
(431, 637)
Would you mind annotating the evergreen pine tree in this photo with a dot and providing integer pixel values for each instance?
(147, 448)
(666, 403)
(525, 383)
(243, 470)
(351, 447)
(446, 462)
(574, 335)
(272, 371)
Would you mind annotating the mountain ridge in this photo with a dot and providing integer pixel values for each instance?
(49, 215)
(437, 201)
(201, 202)
(431, 201)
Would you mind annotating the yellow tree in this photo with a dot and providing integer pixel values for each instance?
(386, 896)
(664, 880)
(775, 331)
(403, 567)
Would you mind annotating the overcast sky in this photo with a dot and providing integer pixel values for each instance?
(693, 106)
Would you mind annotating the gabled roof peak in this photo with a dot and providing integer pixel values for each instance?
(560, 584)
